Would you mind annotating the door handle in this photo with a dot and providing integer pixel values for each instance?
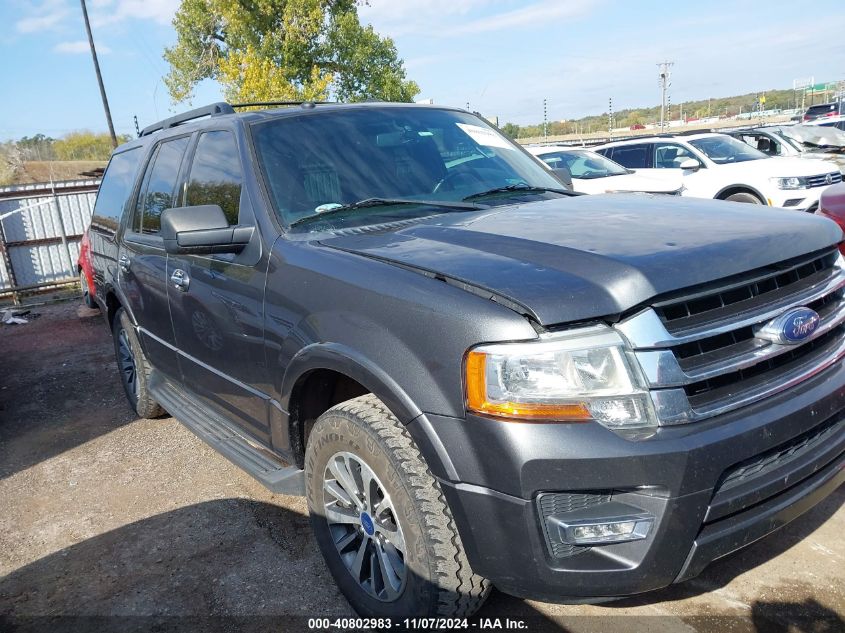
(124, 262)
(180, 280)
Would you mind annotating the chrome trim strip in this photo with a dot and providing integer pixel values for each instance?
(645, 330)
(206, 366)
(662, 369)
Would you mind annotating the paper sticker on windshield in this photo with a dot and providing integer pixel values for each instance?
(483, 136)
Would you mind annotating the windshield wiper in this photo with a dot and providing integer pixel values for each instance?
(383, 202)
(522, 188)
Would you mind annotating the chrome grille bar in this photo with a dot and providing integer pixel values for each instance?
(673, 405)
(645, 330)
(715, 360)
(663, 369)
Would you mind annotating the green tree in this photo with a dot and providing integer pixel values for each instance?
(511, 130)
(37, 147)
(283, 49)
(85, 146)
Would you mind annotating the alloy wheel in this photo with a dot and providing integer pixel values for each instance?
(364, 526)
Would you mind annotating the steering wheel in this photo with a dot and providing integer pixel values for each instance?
(452, 181)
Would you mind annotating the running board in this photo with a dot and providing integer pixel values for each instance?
(211, 428)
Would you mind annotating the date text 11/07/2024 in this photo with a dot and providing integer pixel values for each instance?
(431, 624)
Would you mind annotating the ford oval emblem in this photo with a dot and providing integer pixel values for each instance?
(791, 327)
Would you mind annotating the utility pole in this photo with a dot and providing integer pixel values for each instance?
(99, 76)
(545, 121)
(664, 77)
(610, 118)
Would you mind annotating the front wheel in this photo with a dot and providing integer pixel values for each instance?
(380, 518)
(749, 198)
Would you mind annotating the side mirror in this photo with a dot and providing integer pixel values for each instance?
(202, 229)
(690, 164)
(564, 175)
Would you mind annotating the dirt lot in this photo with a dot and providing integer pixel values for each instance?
(107, 515)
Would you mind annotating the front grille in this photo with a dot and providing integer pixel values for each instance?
(822, 181)
(701, 349)
(713, 303)
(549, 503)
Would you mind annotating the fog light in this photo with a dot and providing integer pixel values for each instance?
(602, 524)
(625, 530)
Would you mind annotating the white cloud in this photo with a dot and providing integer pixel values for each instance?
(114, 11)
(54, 15)
(79, 46)
(400, 17)
(536, 14)
(453, 17)
(47, 16)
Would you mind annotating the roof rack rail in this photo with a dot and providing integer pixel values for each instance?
(252, 104)
(214, 109)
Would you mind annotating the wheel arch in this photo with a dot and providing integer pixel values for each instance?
(740, 188)
(323, 374)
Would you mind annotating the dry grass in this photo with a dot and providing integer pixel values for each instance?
(45, 171)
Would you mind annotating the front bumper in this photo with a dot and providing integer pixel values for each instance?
(797, 199)
(713, 487)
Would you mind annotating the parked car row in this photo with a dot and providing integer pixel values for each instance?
(702, 165)
(802, 141)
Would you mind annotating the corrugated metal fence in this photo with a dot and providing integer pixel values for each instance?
(40, 229)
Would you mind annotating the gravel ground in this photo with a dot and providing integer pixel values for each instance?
(107, 515)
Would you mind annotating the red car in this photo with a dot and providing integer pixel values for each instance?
(86, 271)
(832, 205)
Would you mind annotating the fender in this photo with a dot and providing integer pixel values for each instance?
(760, 196)
(352, 363)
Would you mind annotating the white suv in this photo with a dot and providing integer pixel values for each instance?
(719, 166)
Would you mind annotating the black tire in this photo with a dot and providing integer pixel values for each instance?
(86, 291)
(748, 198)
(438, 580)
(135, 378)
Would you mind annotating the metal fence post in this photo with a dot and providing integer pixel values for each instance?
(62, 232)
(8, 263)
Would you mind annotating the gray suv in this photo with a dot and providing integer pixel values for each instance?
(476, 377)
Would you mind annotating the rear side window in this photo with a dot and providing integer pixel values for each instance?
(158, 191)
(670, 155)
(216, 176)
(631, 156)
(115, 189)
(822, 109)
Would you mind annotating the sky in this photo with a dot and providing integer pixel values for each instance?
(501, 57)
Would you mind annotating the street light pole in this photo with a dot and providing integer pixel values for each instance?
(664, 77)
(99, 76)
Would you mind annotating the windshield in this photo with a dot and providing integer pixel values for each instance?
(325, 162)
(583, 163)
(726, 149)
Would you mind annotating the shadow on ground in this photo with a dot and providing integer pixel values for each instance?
(242, 565)
(59, 386)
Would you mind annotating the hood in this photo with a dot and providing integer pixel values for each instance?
(815, 135)
(627, 182)
(585, 257)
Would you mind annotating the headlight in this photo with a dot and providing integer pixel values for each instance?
(794, 182)
(573, 376)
